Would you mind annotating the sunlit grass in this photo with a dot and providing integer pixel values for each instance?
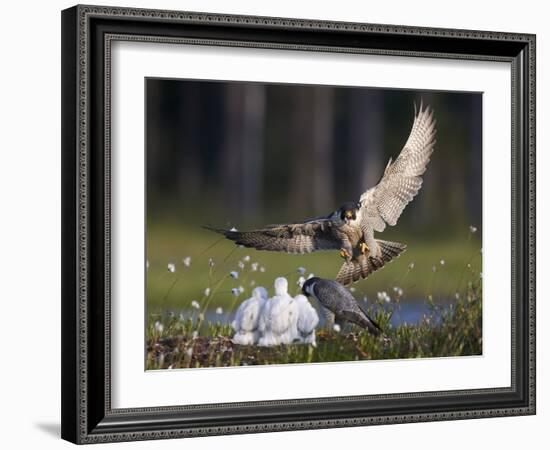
(177, 342)
(446, 277)
(211, 269)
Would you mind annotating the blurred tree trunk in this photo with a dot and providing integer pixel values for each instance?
(475, 163)
(187, 140)
(242, 158)
(366, 159)
(231, 156)
(153, 134)
(312, 127)
(322, 149)
(301, 163)
(253, 149)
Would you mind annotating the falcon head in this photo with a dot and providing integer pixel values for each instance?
(348, 212)
(307, 287)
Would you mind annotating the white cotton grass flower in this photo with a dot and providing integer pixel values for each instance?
(254, 266)
(398, 291)
(159, 327)
(186, 261)
(207, 292)
(411, 266)
(383, 296)
(301, 270)
(195, 304)
(301, 281)
(219, 310)
(473, 229)
(211, 262)
(262, 269)
(434, 268)
(442, 262)
(171, 267)
(240, 265)
(457, 295)
(246, 258)
(337, 328)
(189, 352)
(241, 289)
(194, 335)
(234, 274)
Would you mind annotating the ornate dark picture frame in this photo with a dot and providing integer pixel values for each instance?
(87, 34)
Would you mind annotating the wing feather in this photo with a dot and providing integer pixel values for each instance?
(402, 179)
(303, 237)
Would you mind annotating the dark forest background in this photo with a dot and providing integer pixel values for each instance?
(249, 154)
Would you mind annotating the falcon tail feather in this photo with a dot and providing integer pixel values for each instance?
(364, 265)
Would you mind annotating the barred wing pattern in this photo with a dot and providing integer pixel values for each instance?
(303, 237)
(384, 203)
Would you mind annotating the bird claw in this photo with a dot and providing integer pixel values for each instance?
(364, 248)
(345, 254)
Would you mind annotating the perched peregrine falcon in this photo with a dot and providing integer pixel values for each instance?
(338, 304)
(351, 227)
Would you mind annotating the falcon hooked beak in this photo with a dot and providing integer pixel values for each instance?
(347, 212)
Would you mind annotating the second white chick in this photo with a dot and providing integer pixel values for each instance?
(247, 318)
(279, 317)
(308, 319)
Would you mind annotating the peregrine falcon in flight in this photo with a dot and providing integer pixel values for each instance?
(338, 304)
(350, 229)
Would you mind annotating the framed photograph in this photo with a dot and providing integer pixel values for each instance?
(278, 224)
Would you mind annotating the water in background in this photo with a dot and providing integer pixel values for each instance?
(410, 312)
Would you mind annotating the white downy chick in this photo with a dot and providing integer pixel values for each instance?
(279, 317)
(247, 318)
(308, 319)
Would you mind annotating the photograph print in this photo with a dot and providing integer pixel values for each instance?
(290, 223)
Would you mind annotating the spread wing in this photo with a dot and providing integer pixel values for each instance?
(402, 179)
(303, 237)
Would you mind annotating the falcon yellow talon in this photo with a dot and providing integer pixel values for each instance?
(364, 247)
(344, 254)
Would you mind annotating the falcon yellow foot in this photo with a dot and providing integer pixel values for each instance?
(345, 254)
(364, 248)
